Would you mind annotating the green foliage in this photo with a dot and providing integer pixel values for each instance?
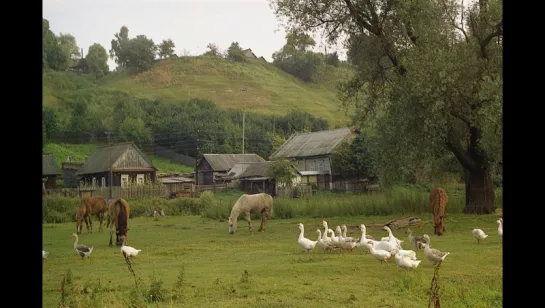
(166, 49)
(49, 118)
(134, 129)
(97, 60)
(355, 159)
(333, 59)
(213, 51)
(234, 52)
(53, 55)
(282, 171)
(68, 45)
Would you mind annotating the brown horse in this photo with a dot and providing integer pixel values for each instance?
(118, 217)
(90, 206)
(438, 201)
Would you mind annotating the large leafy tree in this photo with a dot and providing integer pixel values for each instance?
(97, 60)
(433, 85)
(166, 49)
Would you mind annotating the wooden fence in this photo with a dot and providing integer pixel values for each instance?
(164, 190)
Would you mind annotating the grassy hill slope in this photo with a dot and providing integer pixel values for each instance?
(269, 90)
(80, 151)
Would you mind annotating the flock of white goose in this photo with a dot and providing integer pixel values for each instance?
(384, 249)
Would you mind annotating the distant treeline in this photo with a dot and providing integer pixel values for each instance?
(179, 126)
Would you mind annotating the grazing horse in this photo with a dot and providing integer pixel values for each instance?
(89, 206)
(438, 201)
(118, 216)
(258, 203)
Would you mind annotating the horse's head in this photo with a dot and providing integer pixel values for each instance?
(439, 225)
(79, 222)
(232, 226)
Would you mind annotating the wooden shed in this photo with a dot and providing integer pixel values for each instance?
(213, 165)
(126, 161)
(253, 179)
(50, 170)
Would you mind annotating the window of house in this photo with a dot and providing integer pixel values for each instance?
(312, 167)
(124, 180)
(103, 182)
(94, 182)
(139, 179)
(321, 165)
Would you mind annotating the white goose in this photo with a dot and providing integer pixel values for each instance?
(364, 239)
(82, 250)
(433, 255)
(331, 239)
(345, 243)
(323, 242)
(381, 255)
(479, 234)
(500, 227)
(411, 254)
(308, 245)
(44, 254)
(334, 239)
(344, 229)
(405, 262)
(128, 252)
(394, 240)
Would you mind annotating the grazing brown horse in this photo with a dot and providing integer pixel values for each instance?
(90, 206)
(438, 201)
(118, 217)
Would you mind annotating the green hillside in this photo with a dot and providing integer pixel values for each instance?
(269, 90)
(80, 151)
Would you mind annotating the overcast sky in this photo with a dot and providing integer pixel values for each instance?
(191, 24)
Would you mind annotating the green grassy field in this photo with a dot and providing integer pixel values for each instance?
(269, 89)
(80, 151)
(210, 264)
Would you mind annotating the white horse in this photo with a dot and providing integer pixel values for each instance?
(258, 203)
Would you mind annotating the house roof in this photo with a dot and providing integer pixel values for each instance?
(176, 180)
(224, 162)
(255, 169)
(49, 166)
(111, 156)
(312, 144)
(249, 53)
(237, 169)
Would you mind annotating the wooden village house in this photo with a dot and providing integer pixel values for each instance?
(253, 179)
(126, 161)
(311, 154)
(212, 167)
(50, 170)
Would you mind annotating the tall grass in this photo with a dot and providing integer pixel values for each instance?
(403, 200)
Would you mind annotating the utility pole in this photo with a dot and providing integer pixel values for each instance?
(243, 119)
(110, 162)
(197, 160)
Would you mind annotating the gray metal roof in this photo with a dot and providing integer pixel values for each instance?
(312, 144)
(224, 162)
(108, 156)
(49, 166)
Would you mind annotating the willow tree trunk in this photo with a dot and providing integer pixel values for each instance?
(480, 196)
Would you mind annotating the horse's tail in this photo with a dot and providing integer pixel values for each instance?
(122, 216)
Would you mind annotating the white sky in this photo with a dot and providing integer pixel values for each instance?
(191, 24)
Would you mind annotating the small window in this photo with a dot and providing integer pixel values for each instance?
(139, 179)
(103, 182)
(124, 180)
(94, 182)
(312, 166)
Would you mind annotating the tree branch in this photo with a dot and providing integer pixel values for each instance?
(498, 30)
(456, 148)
